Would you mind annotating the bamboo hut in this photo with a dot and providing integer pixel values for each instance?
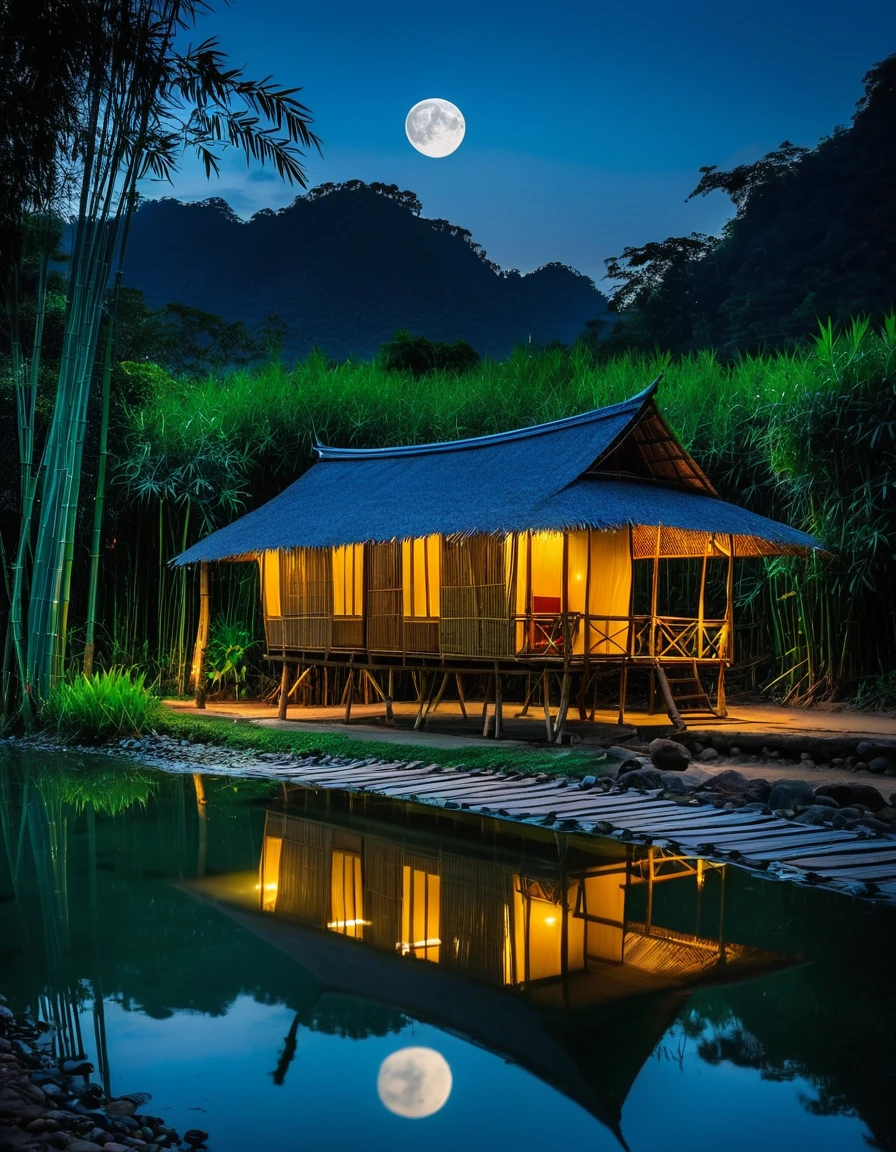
(531, 553)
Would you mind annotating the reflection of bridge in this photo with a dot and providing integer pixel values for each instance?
(563, 968)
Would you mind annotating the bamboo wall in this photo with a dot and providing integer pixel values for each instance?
(545, 595)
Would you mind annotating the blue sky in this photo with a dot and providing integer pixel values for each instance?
(586, 122)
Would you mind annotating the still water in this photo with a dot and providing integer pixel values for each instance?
(294, 969)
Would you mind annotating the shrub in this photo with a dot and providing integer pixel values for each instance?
(101, 707)
(420, 355)
(228, 648)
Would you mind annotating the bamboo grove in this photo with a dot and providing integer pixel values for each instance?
(97, 95)
(807, 436)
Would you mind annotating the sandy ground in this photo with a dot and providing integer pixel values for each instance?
(749, 723)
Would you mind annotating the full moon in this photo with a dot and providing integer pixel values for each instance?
(435, 127)
(414, 1082)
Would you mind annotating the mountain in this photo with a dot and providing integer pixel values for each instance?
(345, 268)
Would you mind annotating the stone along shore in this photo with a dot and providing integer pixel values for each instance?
(47, 1103)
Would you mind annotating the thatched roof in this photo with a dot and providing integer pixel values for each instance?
(605, 469)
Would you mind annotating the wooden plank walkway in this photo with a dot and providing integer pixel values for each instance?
(861, 863)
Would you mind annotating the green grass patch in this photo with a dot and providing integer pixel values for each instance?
(101, 707)
(251, 737)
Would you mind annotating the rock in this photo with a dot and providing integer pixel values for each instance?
(587, 781)
(708, 755)
(887, 816)
(727, 781)
(5, 1015)
(77, 1068)
(5, 1045)
(83, 1146)
(865, 748)
(848, 794)
(678, 782)
(669, 755)
(816, 814)
(791, 794)
(882, 765)
(771, 753)
(195, 1136)
(826, 801)
(873, 824)
(114, 1146)
(643, 778)
(807, 765)
(734, 750)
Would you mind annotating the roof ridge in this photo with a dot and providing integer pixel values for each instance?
(634, 403)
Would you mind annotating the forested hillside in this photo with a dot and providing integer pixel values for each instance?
(345, 267)
(813, 237)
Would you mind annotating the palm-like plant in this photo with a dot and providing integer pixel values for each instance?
(127, 102)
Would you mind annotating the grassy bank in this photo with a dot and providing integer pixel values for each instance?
(251, 737)
(807, 436)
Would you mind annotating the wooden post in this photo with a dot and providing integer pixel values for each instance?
(200, 681)
(423, 686)
(623, 689)
(460, 694)
(390, 716)
(437, 699)
(529, 693)
(701, 609)
(499, 714)
(485, 715)
(563, 709)
(546, 689)
(349, 692)
(671, 707)
(284, 696)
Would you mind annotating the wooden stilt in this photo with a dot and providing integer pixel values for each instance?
(200, 680)
(499, 709)
(486, 719)
(284, 696)
(460, 694)
(423, 683)
(390, 716)
(437, 699)
(623, 688)
(580, 697)
(349, 692)
(374, 684)
(299, 679)
(546, 687)
(531, 689)
(721, 703)
(528, 701)
(671, 708)
(651, 692)
(563, 709)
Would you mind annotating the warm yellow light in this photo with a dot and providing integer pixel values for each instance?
(405, 946)
(348, 923)
(267, 887)
(701, 875)
(579, 576)
(550, 919)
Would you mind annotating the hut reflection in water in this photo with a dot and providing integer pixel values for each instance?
(502, 923)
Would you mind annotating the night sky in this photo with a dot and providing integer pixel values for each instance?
(586, 122)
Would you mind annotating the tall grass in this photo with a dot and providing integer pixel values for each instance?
(806, 436)
(100, 707)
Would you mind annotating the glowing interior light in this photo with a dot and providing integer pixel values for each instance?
(579, 576)
(348, 923)
(550, 919)
(404, 946)
(701, 874)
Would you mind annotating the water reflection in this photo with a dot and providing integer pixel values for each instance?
(263, 960)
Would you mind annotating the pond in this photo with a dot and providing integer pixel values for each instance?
(292, 968)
